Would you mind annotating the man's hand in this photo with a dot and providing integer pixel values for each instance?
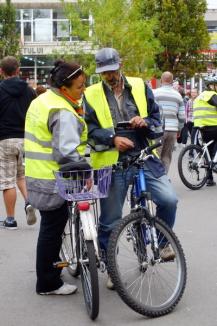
(123, 143)
(138, 122)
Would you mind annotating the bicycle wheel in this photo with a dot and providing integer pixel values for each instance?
(89, 275)
(146, 283)
(192, 167)
(68, 251)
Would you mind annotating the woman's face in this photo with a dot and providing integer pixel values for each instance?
(77, 88)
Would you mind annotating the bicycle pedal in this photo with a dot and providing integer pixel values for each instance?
(61, 264)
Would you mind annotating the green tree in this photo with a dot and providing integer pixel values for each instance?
(9, 38)
(118, 24)
(182, 32)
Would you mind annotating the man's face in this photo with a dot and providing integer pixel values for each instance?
(111, 77)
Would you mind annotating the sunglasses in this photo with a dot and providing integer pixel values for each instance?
(73, 73)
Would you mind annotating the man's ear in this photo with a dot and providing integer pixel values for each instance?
(17, 71)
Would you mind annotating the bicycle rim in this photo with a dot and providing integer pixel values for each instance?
(68, 250)
(89, 277)
(192, 167)
(149, 286)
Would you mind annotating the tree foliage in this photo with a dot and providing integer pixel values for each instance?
(182, 32)
(118, 24)
(9, 38)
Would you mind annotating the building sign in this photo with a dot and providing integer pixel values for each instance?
(47, 49)
(37, 49)
(33, 50)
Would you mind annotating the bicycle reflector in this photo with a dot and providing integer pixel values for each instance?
(83, 206)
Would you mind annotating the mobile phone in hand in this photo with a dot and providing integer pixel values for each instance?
(124, 124)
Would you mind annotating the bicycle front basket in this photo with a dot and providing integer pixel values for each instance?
(83, 185)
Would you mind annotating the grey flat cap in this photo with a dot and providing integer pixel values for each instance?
(107, 59)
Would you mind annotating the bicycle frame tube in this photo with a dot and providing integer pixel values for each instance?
(205, 153)
(140, 185)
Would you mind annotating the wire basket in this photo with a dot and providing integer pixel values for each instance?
(84, 184)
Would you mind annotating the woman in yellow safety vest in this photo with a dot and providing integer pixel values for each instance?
(55, 137)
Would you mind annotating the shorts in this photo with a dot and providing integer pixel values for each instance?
(11, 162)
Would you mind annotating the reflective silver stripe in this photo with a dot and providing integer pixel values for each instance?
(204, 117)
(101, 148)
(205, 109)
(39, 156)
(32, 137)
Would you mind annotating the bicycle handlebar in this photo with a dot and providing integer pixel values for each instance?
(149, 149)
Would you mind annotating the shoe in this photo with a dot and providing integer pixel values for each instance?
(10, 223)
(210, 183)
(110, 284)
(167, 253)
(214, 169)
(65, 289)
(30, 214)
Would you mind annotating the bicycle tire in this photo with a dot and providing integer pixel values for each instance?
(89, 276)
(193, 176)
(152, 279)
(68, 251)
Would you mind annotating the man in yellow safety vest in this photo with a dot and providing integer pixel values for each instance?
(205, 117)
(117, 98)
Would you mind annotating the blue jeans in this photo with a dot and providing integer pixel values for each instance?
(163, 196)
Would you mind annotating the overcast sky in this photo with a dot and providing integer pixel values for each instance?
(212, 4)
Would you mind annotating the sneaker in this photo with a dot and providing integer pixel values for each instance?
(210, 183)
(10, 223)
(65, 289)
(30, 214)
(167, 253)
(110, 284)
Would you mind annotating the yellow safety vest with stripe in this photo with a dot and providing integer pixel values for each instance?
(204, 114)
(96, 98)
(39, 162)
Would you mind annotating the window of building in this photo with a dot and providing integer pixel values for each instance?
(61, 31)
(27, 30)
(45, 25)
(42, 30)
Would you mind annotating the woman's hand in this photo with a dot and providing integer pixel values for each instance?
(89, 183)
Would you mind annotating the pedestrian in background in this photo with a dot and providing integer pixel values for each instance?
(173, 110)
(15, 98)
(189, 128)
(205, 118)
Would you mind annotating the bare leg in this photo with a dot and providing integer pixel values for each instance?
(10, 196)
(21, 183)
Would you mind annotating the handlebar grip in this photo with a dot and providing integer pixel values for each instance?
(149, 149)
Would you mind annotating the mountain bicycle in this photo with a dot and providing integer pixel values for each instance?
(146, 282)
(80, 251)
(193, 164)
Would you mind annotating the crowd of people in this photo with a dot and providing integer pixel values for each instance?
(56, 125)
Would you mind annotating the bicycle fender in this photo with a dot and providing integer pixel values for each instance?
(88, 225)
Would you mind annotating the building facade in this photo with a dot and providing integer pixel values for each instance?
(44, 31)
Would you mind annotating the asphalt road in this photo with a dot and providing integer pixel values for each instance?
(196, 227)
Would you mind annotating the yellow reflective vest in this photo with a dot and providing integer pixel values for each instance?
(39, 161)
(204, 114)
(96, 98)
